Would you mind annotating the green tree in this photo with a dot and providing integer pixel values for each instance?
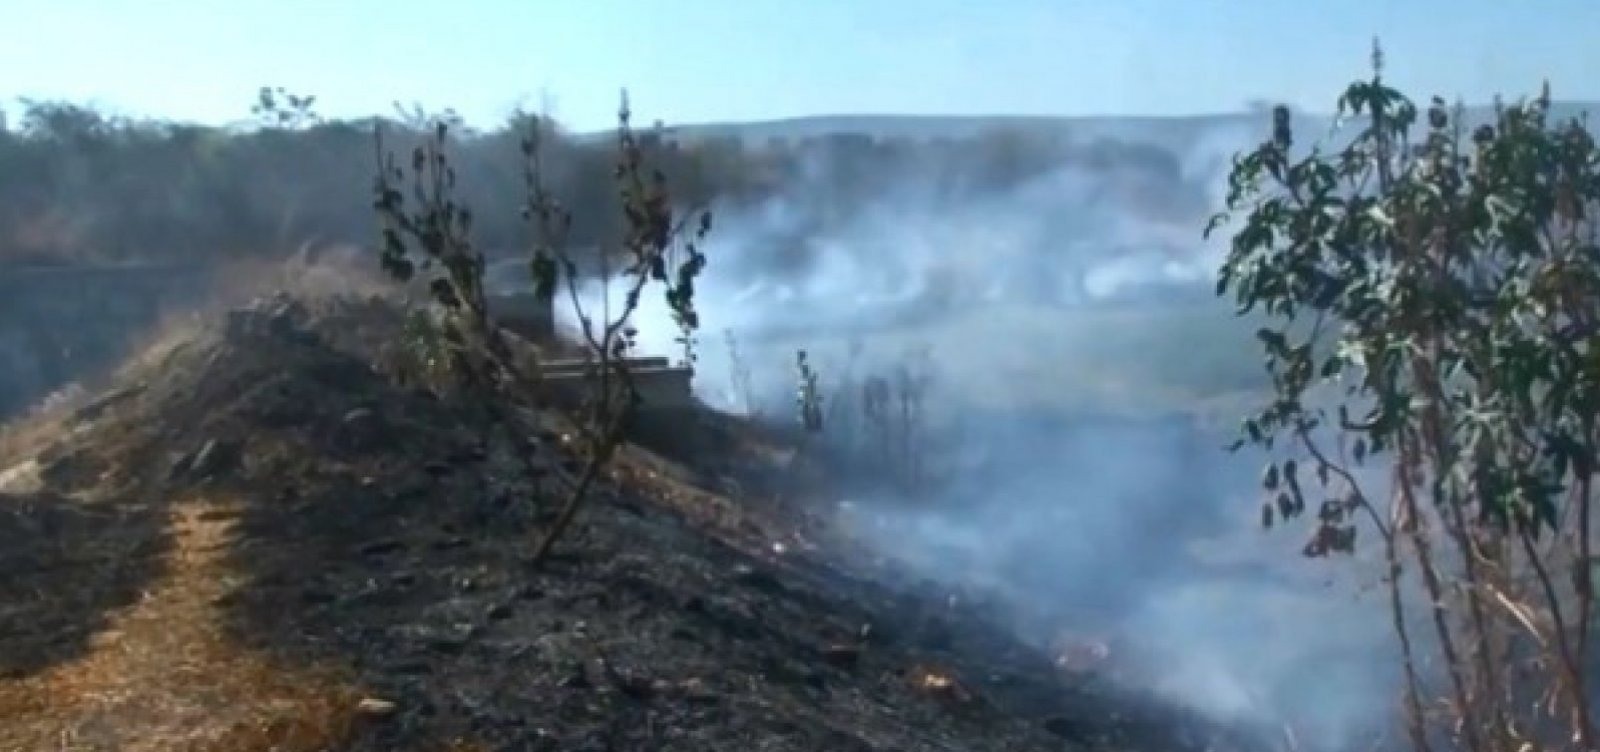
(1434, 294)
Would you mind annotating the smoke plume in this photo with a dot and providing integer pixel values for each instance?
(1075, 348)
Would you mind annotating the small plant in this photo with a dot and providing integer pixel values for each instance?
(841, 411)
(432, 234)
(877, 416)
(911, 380)
(658, 246)
(892, 421)
(424, 356)
(808, 397)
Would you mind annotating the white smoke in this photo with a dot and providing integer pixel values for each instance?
(1093, 525)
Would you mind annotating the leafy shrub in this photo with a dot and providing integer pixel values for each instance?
(430, 233)
(1433, 290)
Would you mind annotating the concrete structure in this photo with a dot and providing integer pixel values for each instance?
(661, 385)
(518, 310)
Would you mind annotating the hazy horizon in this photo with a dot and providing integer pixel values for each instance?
(724, 62)
(1034, 320)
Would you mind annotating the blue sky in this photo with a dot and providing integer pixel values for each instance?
(712, 60)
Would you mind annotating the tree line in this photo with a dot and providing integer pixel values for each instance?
(80, 186)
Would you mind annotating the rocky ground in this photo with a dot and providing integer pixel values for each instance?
(255, 538)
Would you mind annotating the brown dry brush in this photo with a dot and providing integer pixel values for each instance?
(894, 415)
(846, 385)
(1447, 287)
(880, 415)
(431, 233)
(912, 378)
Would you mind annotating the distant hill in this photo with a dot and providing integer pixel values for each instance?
(964, 126)
(1171, 131)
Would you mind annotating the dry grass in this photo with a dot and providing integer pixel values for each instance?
(165, 676)
(338, 273)
(334, 271)
(26, 437)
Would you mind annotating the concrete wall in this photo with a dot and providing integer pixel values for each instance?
(661, 386)
(58, 325)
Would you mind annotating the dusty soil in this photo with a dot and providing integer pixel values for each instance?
(257, 539)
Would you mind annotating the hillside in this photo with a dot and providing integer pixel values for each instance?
(80, 187)
(1154, 129)
(255, 537)
(1169, 130)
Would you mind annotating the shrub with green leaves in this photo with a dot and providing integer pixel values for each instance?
(428, 230)
(1434, 293)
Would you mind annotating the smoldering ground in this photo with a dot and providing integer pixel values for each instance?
(1078, 364)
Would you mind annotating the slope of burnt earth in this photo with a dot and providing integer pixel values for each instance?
(343, 565)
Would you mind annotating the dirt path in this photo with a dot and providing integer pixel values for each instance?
(164, 676)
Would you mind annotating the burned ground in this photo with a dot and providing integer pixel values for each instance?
(257, 539)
